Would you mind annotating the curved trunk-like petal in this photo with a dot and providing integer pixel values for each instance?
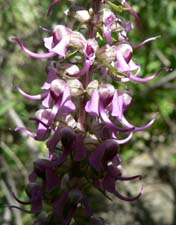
(144, 42)
(28, 132)
(33, 54)
(123, 141)
(32, 97)
(43, 132)
(35, 202)
(109, 185)
(144, 80)
(129, 125)
(22, 210)
(133, 12)
(20, 201)
(112, 170)
(52, 6)
(109, 123)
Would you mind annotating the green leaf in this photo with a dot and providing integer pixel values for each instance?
(70, 55)
(113, 70)
(117, 8)
(4, 107)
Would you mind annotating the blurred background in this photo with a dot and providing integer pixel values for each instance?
(151, 153)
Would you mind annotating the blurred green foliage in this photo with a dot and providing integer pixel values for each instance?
(24, 19)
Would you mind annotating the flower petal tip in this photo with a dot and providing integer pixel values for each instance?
(51, 7)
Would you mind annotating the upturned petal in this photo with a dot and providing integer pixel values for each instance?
(146, 79)
(32, 97)
(109, 185)
(53, 4)
(92, 106)
(33, 54)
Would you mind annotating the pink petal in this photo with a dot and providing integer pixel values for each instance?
(33, 54)
(52, 6)
(92, 106)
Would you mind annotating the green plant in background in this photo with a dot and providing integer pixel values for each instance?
(82, 118)
(14, 63)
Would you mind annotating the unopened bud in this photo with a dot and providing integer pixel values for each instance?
(43, 114)
(68, 136)
(93, 85)
(111, 149)
(76, 87)
(40, 167)
(72, 69)
(106, 91)
(32, 188)
(75, 196)
(127, 99)
(82, 16)
(77, 39)
(106, 53)
(58, 87)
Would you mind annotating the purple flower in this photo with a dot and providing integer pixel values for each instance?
(72, 144)
(133, 12)
(52, 6)
(57, 102)
(106, 160)
(48, 174)
(107, 103)
(64, 208)
(110, 22)
(82, 120)
(34, 192)
(33, 54)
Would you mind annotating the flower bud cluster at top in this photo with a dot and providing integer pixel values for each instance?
(82, 117)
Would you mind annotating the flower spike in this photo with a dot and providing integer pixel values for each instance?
(82, 115)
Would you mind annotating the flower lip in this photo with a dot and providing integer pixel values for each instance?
(57, 87)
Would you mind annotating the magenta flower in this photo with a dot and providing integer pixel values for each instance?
(82, 117)
(106, 160)
(72, 144)
(57, 102)
(107, 103)
(34, 191)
